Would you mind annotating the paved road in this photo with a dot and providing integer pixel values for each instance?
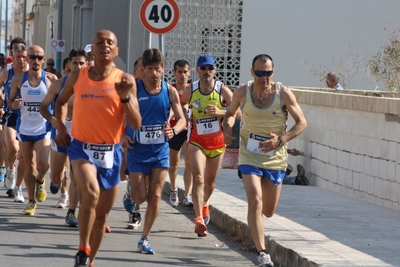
(42, 240)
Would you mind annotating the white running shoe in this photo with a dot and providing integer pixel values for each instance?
(187, 201)
(10, 180)
(264, 260)
(18, 196)
(63, 201)
(173, 198)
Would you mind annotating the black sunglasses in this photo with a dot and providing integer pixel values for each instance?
(50, 64)
(207, 68)
(34, 57)
(260, 73)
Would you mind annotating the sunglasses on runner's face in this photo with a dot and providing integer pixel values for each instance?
(34, 57)
(207, 68)
(260, 73)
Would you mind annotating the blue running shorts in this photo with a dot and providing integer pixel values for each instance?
(106, 158)
(275, 176)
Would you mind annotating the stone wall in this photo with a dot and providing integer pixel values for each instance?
(351, 144)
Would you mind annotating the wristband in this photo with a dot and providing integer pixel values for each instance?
(126, 100)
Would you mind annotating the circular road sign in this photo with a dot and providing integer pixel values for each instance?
(159, 16)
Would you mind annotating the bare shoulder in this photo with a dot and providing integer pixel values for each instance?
(286, 92)
(3, 76)
(52, 77)
(226, 89)
(172, 88)
(240, 90)
(57, 83)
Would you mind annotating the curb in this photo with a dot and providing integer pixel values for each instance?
(239, 231)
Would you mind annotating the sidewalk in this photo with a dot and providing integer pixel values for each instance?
(312, 226)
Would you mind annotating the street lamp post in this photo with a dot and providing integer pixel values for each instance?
(24, 22)
(6, 29)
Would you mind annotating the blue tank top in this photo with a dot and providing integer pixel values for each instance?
(7, 90)
(154, 110)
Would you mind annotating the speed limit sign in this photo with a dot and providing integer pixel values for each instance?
(159, 16)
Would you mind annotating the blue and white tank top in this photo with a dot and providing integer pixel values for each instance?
(31, 122)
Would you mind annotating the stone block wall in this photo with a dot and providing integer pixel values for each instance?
(351, 144)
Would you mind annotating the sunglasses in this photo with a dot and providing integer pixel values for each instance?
(260, 73)
(50, 64)
(207, 68)
(34, 57)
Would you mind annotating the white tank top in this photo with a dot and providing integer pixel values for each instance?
(31, 122)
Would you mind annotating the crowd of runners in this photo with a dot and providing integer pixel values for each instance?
(97, 125)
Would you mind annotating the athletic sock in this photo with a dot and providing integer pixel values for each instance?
(85, 249)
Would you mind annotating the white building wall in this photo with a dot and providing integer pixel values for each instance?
(320, 31)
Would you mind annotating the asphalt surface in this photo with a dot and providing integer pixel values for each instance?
(312, 227)
(43, 240)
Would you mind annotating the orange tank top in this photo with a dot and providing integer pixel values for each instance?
(98, 111)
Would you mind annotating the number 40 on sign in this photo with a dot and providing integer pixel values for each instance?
(159, 16)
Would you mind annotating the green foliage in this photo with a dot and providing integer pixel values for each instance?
(385, 65)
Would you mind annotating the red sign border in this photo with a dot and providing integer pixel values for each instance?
(152, 29)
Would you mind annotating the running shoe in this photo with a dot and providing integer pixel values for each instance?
(30, 208)
(70, 220)
(129, 204)
(108, 229)
(10, 192)
(81, 259)
(63, 201)
(144, 246)
(264, 260)
(187, 201)
(135, 220)
(41, 191)
(200, 229)
(54, 188)
(206, 214)
(2, 173)
(18, 196)
(173, 198)
(301, 179)
(10, 180)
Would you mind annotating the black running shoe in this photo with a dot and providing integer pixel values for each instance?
(301, 179)
(10, 193)
(81, 259)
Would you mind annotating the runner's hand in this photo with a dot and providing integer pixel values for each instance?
(213, 110)
(124, 86)
(16, 104)
(126, 141)
(62, 138)
(270, 144)
(168, 130)
(228, 137)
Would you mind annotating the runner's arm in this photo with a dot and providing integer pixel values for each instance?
(127, 91)
(229, 118)
(290, 103)
(54, 89)
(16, 81)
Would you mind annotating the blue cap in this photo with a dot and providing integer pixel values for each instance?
(205, 60)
